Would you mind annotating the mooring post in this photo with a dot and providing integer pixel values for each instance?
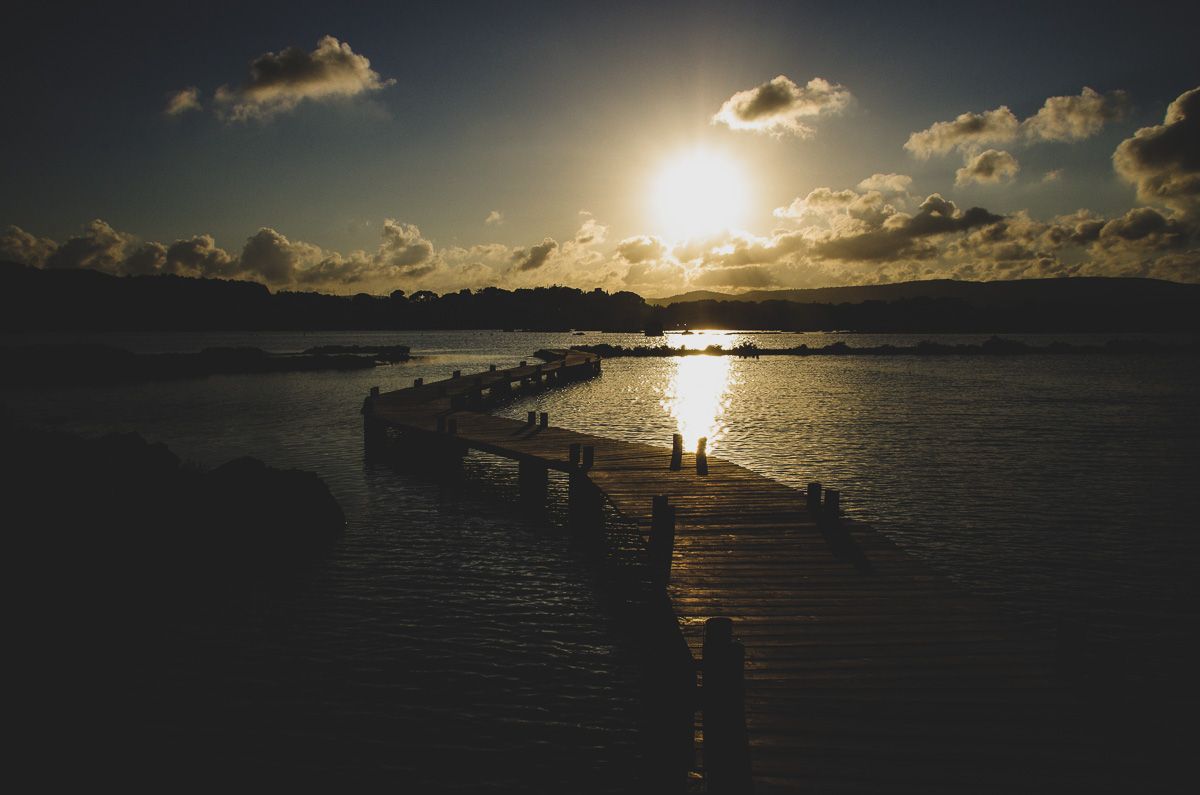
(491, 368)
(702, 456)
(814, 498)
(676, 452)
(530, 418)
(456, 374)
(589, 456)
(661, 547)
(573, 453)
(418, 382)
(374, 391)
(374, 431)
(544, 420)
(522, 363)
(833, 504)
(726, 743)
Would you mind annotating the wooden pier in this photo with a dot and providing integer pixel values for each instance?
(823, 657)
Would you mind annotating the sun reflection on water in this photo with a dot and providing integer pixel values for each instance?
(697, 397)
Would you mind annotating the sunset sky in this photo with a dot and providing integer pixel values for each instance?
(626, 146)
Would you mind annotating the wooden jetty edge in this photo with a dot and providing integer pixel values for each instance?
(823, 657)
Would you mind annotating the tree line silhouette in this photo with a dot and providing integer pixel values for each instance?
(82, 300)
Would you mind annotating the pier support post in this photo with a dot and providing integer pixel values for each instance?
(573, 453)
(544, 419)
(374, 431)
(833, 506)
(676, 452)
(456, 374)
(702, 456)
(530, 418)
(532, 480)
(726, 743)
(661, 547)
(417, 382)
(585, 512)
(589, 457)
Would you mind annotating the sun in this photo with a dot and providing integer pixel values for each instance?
(698, 193)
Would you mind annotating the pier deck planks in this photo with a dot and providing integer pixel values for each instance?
(856, 681)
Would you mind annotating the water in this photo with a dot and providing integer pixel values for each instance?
(1052, 485)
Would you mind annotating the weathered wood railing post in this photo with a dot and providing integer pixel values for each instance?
(726, 743)
(676, 452)
(702, 456)
(573, 453)
(457, 374)
(417, 382)
(491, 368)
(544, 420)
(833, 506)
(661, 547)
(530, 418)
(589, 457)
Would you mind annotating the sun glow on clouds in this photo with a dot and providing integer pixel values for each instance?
(698, 193)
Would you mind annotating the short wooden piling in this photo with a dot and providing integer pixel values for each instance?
(702, 456)
(676, 452)
(530, 418)
(585, 512)
(813, 498)
(374, 391)
(833, 504)
(456, 374)
(417, 382)
(573, 453)
(661, 547)
(491, 368)
(589, 456)
(544, 420)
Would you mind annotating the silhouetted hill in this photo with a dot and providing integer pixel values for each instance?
(996, 293)
(81, 300)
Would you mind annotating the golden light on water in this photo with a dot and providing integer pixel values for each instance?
(697, 397)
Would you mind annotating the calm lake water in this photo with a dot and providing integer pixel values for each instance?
(1053, 485)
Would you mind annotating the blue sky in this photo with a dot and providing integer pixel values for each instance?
(561, 115)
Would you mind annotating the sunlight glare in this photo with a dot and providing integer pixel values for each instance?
(697, 397)
(698, 193)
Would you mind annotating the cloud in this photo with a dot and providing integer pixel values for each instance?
(992, 166)
(535, 257)
(904, 236)
(640, 249)
(198, 256)
(271, 257)
(1077, 117)
(494, 218)
(18, 245)
(886, 183)
(967, 131)
(591, 232)
(777, 106)
(1067, 118)
(183, 100)
(99, 247)
(1054, 175)
(404, 249)
(1163, 161)
(281, 81)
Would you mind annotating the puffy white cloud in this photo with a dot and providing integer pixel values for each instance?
(1074, 118)
(967, 131)
(100, 247)
(280, 81)
(1054, 175)
(1163, 161)
(990, 166)
(494, 218)
(198, 256)
(273, 258)
(404, 249)
(886, 183)
(779, 106)
(183, 100)
(640, 249)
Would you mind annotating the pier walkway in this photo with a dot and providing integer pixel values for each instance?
(864, 670)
